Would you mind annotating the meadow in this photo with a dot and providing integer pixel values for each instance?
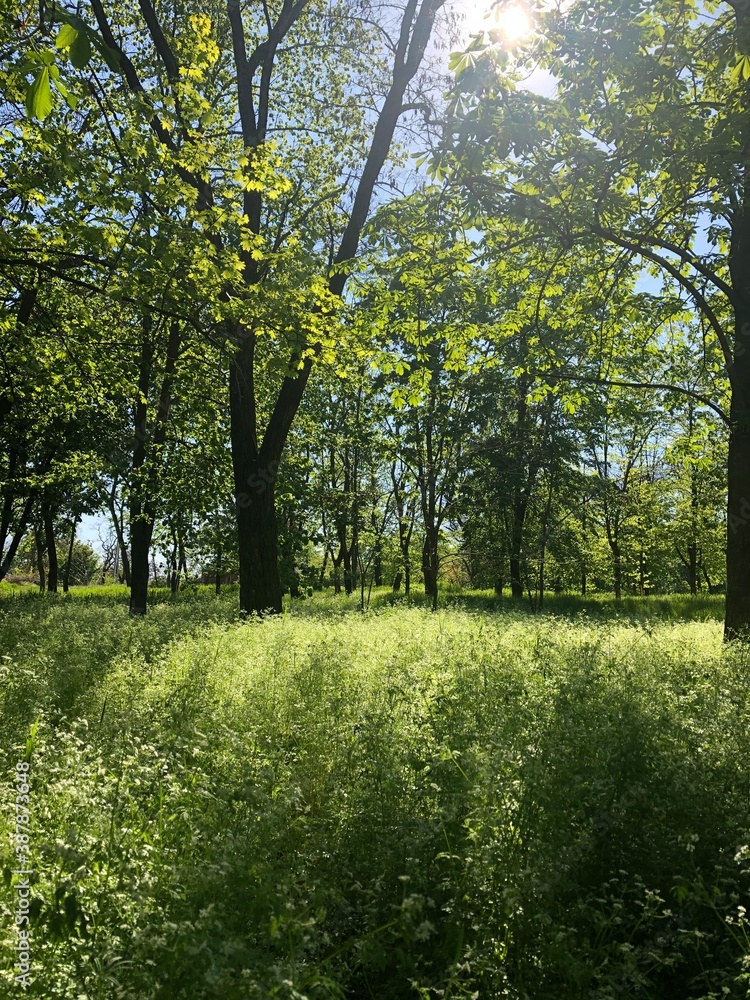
(472, 803)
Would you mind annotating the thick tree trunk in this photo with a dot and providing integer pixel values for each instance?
(260, 584)
(516, 581)
(255, 472)
(140, 543)
(737, 618)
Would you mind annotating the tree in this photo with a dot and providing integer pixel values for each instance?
(645, 148)
(257, 248)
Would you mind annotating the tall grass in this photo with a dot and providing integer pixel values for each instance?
(392, 805)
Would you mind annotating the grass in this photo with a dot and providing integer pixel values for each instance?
(400, 804)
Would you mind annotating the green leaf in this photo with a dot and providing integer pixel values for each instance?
(39, 96)
(70, 99)
(66, 36)
(80, 51)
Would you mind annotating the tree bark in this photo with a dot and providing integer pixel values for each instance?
(120, 534)
(49, 537)
(66, 574)
(39, 544)
(430, 563)
(140, 543)
(516, 549)
(142, 512)
(617, 567)
(260, 583)
(737, 617)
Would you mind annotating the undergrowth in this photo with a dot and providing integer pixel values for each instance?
(392, 805)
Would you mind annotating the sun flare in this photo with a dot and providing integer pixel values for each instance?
(511, 20)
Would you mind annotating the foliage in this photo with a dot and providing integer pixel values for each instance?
(398, 804)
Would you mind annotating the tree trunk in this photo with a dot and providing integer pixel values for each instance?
(40, 559)
(49, 536)
(260, 583)
(255, 471)
(140, 543)
(377, 564)
(66, 574)
(430, 564)
(617, 567)
(737, 618)
(692, 568)
(218, 565)
(542, 581)
(584, 535)
(516, 548)
(119, 532)
(322, 575)
(140, 529)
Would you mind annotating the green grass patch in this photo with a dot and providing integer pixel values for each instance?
(393, 805)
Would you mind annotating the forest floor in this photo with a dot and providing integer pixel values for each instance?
(477, 802)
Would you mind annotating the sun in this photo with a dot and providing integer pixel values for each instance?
(511, 20)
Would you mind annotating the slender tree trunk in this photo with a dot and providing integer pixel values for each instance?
(174, 582)
(140, 529)
(218, 565)
(120, 534)
(66, 574)
(49, 537)
(142, 504)
(692, 568)
(617, 567)
(584, 534)
(430, 563)
(542, 553)
(322, 575)
(40, 559)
